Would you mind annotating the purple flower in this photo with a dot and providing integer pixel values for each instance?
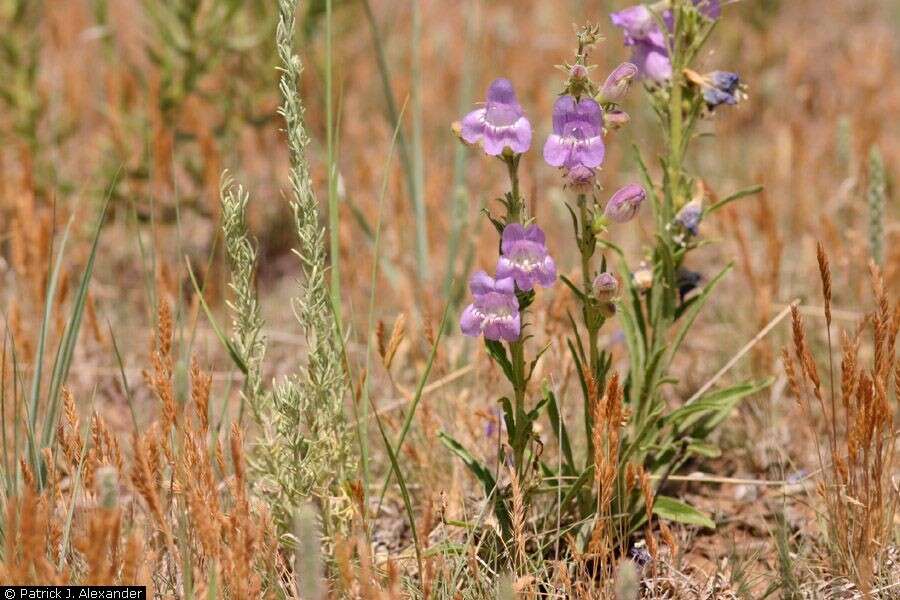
(494, 311)
(605, 286)
(618, 82)
(624, 204)
(690, 215)
(722, 87)
(642, 32)
(524, 257)
(638, 24)
(653, 61)
(500, 124)
(577, 138)
(711, 9)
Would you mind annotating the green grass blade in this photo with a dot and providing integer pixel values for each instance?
(370, 329)
(63, 359)
(417, 397)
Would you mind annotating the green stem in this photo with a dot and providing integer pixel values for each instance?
(676, 124)
(517, 348)
(587, 246)
(334, 222)
(514, 213)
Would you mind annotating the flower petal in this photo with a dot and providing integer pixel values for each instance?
(547, 273)
(505, 285)
(511, 233)
(473, 126)
(501, 91)
(470, 322)
(562, 111)
(653, 61)
(505, 268)
(589, 153)
(481, 283)
(534, 234)
(511, 328)
(556, 151)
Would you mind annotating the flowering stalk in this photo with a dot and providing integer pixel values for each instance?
(519, 440)
(577, 147)
(500, 302)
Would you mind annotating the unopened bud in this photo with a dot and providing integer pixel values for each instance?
(605, 286)
(618, 82)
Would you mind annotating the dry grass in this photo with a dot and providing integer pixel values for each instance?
(857, 486)
(167, 500)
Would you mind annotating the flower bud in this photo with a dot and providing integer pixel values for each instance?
(614, 119)
(625, 203)
(618, 82)
(690, 215)
(578, 72)
(605, 286)
(580, 178)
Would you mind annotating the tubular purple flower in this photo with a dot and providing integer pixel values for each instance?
(650, 54)
(494, 311)
(625, 203)
(690, 215)
(500, 124)
(722, 87)
(577, 138)
(618, 82)
(524, 257)
(653, 61)
(638, 24)
(605, 286)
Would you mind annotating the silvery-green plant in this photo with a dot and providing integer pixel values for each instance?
(304, 452)
(876, 197)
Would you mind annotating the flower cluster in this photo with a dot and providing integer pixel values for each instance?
(495, 310)
(575, 146)
(524, 262)
(650, 44)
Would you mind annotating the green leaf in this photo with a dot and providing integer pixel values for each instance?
(735, 196)
(483, 474)
(233, 352)
(66, 348)
(559, 430)
(578, 293)
(711, 409)
(497, 351)
(404, 491)
(704, 449)
(693, 311)
(666, 507)
(509, 416)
